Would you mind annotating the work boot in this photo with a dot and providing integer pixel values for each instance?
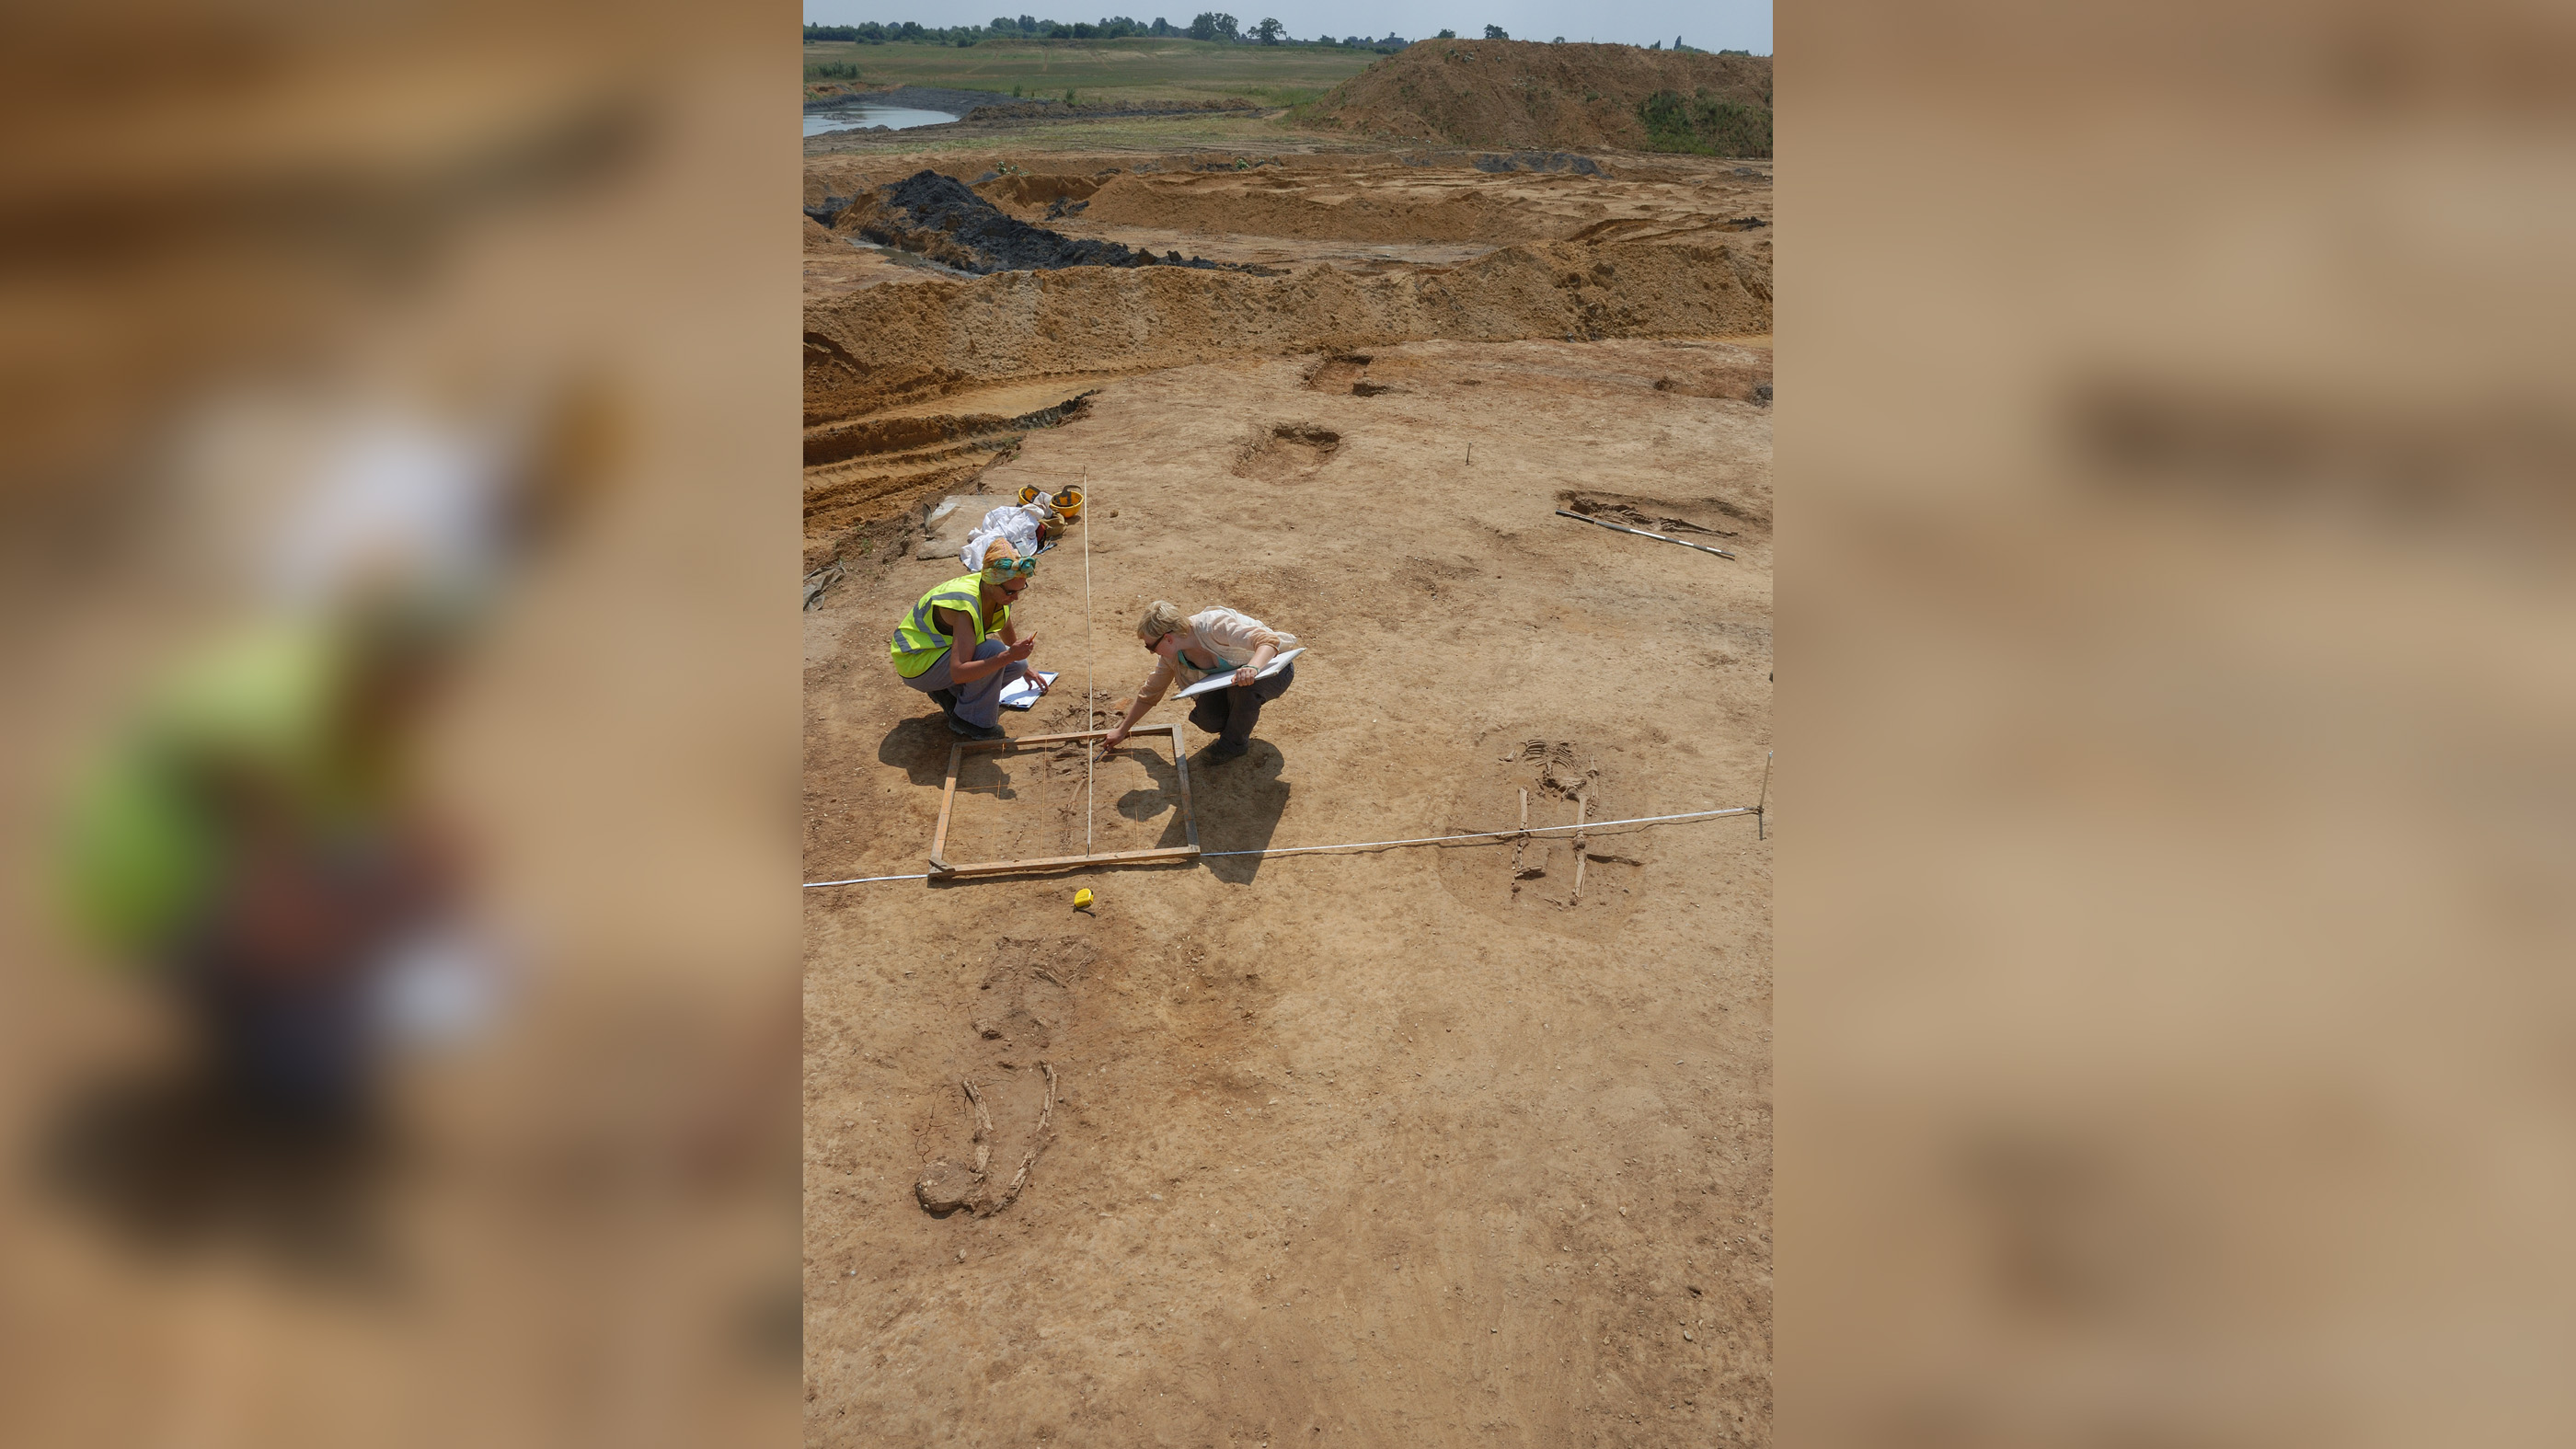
(965, 731)
(1223, 750)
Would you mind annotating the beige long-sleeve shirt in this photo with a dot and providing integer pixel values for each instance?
(1221, 632)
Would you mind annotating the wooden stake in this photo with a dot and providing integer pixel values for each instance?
(947, 798)
(1181, 762)
(1059, 862)
(1522, 844)
(1762, 806)
(1582, 803)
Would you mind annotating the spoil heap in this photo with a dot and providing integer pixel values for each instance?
(1523, 94)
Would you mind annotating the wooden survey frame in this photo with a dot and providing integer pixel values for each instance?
(940, 869)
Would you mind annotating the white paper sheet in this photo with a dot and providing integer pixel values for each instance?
(1023, 692)
(1222, 681)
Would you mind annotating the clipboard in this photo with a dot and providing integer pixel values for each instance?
(1225, 679)
(1021, 693)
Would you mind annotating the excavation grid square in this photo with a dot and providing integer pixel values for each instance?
(1024, 803)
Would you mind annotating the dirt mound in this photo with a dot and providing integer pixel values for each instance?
(892, 341)
(942, 218)
(1528, 95)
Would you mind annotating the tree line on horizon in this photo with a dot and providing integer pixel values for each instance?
(1207, 25)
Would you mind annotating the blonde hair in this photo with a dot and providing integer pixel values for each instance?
(1163, 618)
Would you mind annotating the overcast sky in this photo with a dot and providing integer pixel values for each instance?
(1707, 24)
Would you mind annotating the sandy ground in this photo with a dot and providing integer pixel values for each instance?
(1380, 1147)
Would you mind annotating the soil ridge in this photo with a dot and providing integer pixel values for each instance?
(886, 342)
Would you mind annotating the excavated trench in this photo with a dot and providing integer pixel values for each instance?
(862, 470)
(887, 343)
(919, 383)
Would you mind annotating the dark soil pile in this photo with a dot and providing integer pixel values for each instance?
(1524, 94)
(942, 218)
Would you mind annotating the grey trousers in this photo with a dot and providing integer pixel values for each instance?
(1231, 712)
(979, 703)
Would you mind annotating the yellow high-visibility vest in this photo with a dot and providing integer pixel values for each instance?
(917, 642)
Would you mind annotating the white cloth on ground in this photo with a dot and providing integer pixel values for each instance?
(1017, 522)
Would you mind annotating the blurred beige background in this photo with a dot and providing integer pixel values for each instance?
(2175, 689)
(230, 239)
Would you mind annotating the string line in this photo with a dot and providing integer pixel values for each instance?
(1382, 844)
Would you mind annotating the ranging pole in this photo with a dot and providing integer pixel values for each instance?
(1090, 700)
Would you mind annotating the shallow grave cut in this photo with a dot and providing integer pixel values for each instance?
(1287, 451)
(1339, 372)
(1568, 882)
(1009, 1070)
(1659, 515)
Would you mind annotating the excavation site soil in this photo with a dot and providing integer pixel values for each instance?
(1462, 1144)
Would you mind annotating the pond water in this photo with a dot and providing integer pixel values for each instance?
(893, 118)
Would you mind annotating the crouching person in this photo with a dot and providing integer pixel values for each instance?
(1189, 649)
(958, 644)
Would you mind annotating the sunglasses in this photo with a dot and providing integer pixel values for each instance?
(1003, 570)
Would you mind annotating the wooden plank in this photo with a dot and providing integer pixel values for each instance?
(995, 867)
(947, 801)
(1181, 759)
(1031, 740)
(1582, 803)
